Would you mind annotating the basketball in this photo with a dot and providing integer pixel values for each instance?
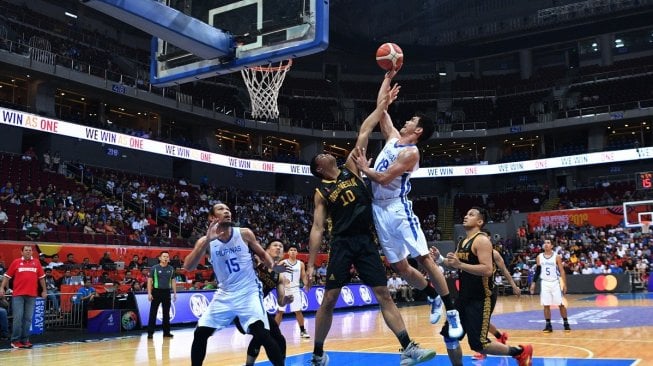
(389, 56)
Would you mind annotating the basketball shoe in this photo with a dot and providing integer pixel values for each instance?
(503, 339)
(526, 357)
(414, 354)
(436, 309)
(567, 327)
(304, 335)
(320, 360)
(547, 329)
(455, 328)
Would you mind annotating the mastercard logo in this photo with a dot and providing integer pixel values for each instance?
(605, 283)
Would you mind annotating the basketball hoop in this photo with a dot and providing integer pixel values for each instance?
(263, 84)
(645, 227)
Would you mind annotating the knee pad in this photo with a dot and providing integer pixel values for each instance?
(203, 332)
(254, 351)
(451, 343)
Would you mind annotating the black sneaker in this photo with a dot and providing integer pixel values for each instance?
(567, 328)
(547, 329)
(150, 335)
(168, 335)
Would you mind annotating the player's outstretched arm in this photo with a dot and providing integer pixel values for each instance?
(199, 250)
(315, 238)
(405, 162)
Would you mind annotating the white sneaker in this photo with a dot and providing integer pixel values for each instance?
(436, 309)
(304, 335)
(320, 360)
(414, 354)
(455, 328)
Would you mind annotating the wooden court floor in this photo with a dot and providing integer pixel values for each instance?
(364, 331)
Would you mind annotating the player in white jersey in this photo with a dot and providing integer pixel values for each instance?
(397, 226)
(296, 274)
(553, 284)
(239, 294)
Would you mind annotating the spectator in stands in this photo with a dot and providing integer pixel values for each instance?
(322, 272)
(129, 279)
(55, 262)
(106, 262)
(134, 264)
(106, 279)
(6, 192)
(30, 154)
(393, 286)
(66, 279)
(197, 285)
(83, 300)
(70, 261)
(109, 229)
(86, 264)
(136, 287)
(4, 219)
(4, 319)
(53, 290)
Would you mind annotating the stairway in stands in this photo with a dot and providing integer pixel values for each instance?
(446, 219)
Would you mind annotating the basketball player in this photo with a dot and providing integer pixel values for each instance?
(239, 290)
(473, 259)
(550, 270)
(502, 337)
(270, 280)
(398, 228)
(293, 288)
(343, 198)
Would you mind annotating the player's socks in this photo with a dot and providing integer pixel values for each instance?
(404, 339)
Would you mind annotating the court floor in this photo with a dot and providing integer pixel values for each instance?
(606, 330)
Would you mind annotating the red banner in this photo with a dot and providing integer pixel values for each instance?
(595, 216)
(12, 250)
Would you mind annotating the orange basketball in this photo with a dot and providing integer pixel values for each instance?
(389, 56)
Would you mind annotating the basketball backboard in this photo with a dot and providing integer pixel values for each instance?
(637, 212)
(264, 31)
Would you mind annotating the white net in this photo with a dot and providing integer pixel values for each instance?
(645, 227)
(263, 84)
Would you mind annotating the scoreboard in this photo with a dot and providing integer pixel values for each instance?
(644, 180)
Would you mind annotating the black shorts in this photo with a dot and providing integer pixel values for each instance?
(493, 300)
(475, 319)
(360, 251)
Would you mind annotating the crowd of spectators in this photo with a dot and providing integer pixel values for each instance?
(78, 45)
(586, 249)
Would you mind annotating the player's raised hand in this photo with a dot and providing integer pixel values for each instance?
(282, 268)
(360, 159)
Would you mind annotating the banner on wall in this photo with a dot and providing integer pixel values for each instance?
(190, 305)
(595, 216)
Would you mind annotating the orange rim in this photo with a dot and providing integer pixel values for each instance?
(281, 67)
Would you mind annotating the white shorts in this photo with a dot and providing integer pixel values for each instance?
(247, 306)
(398, 229)
(297, 303)
(550, 293)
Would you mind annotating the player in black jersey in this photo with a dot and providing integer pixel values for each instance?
(270, 280)
(343, 198)
(473, 259)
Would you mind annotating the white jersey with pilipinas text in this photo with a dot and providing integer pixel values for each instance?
(549, 267)
(400, 186)
(294, 275)
(233, 265)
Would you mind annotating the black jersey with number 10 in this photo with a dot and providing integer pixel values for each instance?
(349, 204)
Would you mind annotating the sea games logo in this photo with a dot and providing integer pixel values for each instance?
(198, 304)
(365, 294)
(347, 295)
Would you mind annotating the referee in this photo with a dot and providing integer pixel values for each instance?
(159, 283)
